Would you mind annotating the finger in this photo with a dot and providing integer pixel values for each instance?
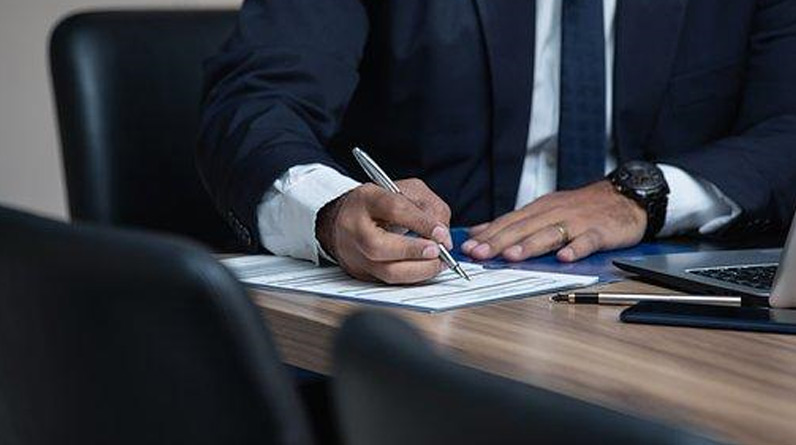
(468, 245)
(475, 230)
(582, 246)
(500, 224)
(379, 245)
(497, 225)
(512, 235)
(540, 243)
(406, 272)
(542, 205)
(399, 210)
(419, 193)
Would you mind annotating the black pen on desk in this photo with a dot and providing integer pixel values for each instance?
(377, 175)
(614, 298)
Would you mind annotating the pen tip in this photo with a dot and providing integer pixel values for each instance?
(559, 297)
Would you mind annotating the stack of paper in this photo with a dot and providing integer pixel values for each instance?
(446, 291)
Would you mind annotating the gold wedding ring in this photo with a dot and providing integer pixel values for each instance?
(562, 230)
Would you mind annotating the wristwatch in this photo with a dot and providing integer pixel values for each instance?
(644, 183)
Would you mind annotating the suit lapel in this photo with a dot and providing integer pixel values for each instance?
(647, 35)
(508, 28)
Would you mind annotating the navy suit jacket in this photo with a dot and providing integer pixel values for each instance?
(441, 90)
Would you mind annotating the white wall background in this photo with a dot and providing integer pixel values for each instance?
(31, 176)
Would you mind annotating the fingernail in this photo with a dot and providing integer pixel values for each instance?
(513, 252)
(468, 245)
(566, 254)
(431, 251)
(482, 250)
(440, 234)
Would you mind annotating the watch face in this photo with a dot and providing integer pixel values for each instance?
(642, 176)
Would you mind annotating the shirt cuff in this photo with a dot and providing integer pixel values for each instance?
(695, 204)
(286, 216)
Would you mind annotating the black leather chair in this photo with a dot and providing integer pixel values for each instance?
(392, 389)
(128, 91)
(114, 337)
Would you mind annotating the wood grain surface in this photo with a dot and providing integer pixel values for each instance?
(736, 386)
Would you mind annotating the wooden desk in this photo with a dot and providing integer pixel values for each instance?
(739, 386)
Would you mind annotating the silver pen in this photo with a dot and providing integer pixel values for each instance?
(628, 299)
(377, 175)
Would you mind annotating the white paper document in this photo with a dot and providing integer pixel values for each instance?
(446, 291)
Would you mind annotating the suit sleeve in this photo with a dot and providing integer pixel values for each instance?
(756, 166)
(274, 97)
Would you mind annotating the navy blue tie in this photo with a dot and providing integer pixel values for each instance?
(581, 135)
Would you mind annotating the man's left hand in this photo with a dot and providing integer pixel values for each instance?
(576, 223)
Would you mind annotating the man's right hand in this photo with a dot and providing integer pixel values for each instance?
(354, 229)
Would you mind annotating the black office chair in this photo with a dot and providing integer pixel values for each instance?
(392, 389)
(128, 90)
(112, 337)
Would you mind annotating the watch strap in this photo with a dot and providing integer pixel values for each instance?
(656, 216)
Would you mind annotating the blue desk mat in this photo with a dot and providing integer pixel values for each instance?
(598, 264)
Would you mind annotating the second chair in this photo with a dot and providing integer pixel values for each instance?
(392, 389)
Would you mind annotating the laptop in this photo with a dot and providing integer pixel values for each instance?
(764, 276)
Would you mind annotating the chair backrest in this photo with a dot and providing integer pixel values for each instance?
(128, 88)
(109, 336)
(391, 388)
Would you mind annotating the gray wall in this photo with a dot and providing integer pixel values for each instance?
(31, 176)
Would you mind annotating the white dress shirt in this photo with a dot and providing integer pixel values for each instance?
(287, 212)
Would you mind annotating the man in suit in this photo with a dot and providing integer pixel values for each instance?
(510, 113)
